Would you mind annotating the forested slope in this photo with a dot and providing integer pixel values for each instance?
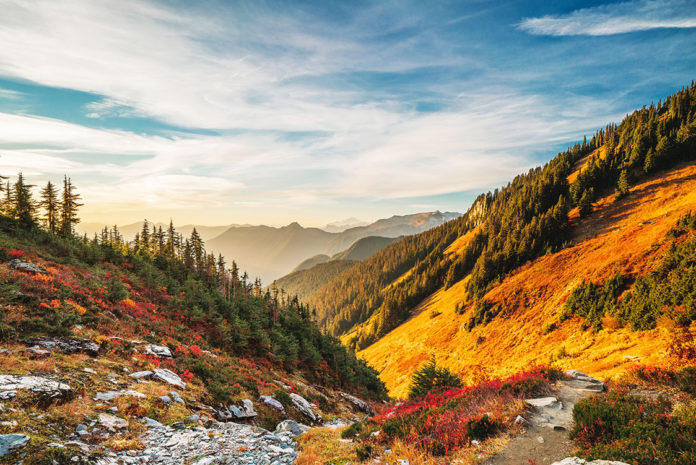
(523, 221)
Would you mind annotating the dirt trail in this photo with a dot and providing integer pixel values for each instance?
(545, 438)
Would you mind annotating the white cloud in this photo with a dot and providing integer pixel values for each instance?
(616, 18)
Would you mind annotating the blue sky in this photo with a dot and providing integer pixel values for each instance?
(269, 112)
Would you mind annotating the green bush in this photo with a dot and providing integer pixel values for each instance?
(481, 428)
(431, 377)
(352, 431)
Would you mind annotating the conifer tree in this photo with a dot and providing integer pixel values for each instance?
(68, 208)
(49, 202)
(623, 186)
(585, 204)
(24, 205)
(8, 205)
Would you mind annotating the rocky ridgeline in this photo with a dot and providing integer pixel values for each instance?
(223, 434)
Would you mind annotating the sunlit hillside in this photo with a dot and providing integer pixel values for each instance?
(619, 235)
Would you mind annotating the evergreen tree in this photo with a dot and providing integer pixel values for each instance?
(585, 204)
(24, 205)
(8, 204)
(68, 208)
(623, 185)
(49, 202)
(431, 377)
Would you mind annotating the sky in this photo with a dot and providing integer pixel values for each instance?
(268, 112)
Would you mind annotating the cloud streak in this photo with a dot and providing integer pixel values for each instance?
(616, 18)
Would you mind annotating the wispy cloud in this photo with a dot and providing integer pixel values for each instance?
(617, 18)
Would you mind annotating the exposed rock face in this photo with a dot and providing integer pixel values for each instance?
(168, 376)
(141, 374)
(47, 388)
(581, 381)
(158, 351)
(579, 461)
(221, 444)
(303, 406)
(10, 442)
(67, 345)
(26, 267)
(272, 402)
(112, 423)
(108, 396)
(233, 412)
(291, 427)
(358, 403)
(542, 402)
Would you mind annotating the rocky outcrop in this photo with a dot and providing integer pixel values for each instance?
(541, 402)
(272, 402)
(108, 396)
(291, 427)
(67, 345)
(242, 412)
(26, 267)
(11, 442)
(581, 381)
(304, 407)
(158, 351)
(579, 461)
(168, 376)
(112, 423)
(47, 389)
(358, 404)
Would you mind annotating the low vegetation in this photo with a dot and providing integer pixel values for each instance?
(643, 420)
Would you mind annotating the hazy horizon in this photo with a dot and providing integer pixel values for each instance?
(273, 112)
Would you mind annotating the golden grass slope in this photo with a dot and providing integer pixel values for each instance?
(619, 235)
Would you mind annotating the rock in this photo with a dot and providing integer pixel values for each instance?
(559, 428)
(150, 423)
(166, 399)
(168, 376)
(89, 370)
(583, 382)
(194, 418)
(177, 398)
(540, 440)
(158, 351)
(233, 412)
(541, 402)
(282, 384)
(112, 423)
(520, 420)
(358, 403)
(26, 267)
(335, 423)
(67, 345)
(291, 427)
(178, 425)
(36, 352)
(579, 461)
(402, 462)
(81, 430)
(141, 374)
(272, 402)
(303, 406)
(108, 396)
(46, 388)
(10, 442)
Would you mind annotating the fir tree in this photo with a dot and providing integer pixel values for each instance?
(24, 205)
(49, 202)
(68, 208)
(623, 186)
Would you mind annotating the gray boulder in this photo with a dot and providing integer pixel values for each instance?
(46, 388)
(112, 423)
(158, 351)
(358, 404)
(67, 345)
(291, 427)
(176, 398)
(168, 376)
(245, 411)
(583, 382)
(141, 374)
(303, 406)
(108, 396)
(272, 402)
(10, 442)
(541, 402)
(26, 267)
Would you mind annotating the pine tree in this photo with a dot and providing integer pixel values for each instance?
(145, 245)
(68, 208)
(24, 205)
(623, 185)
(198, 250)
(431, 377)
(585, 204)
(49, 202)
